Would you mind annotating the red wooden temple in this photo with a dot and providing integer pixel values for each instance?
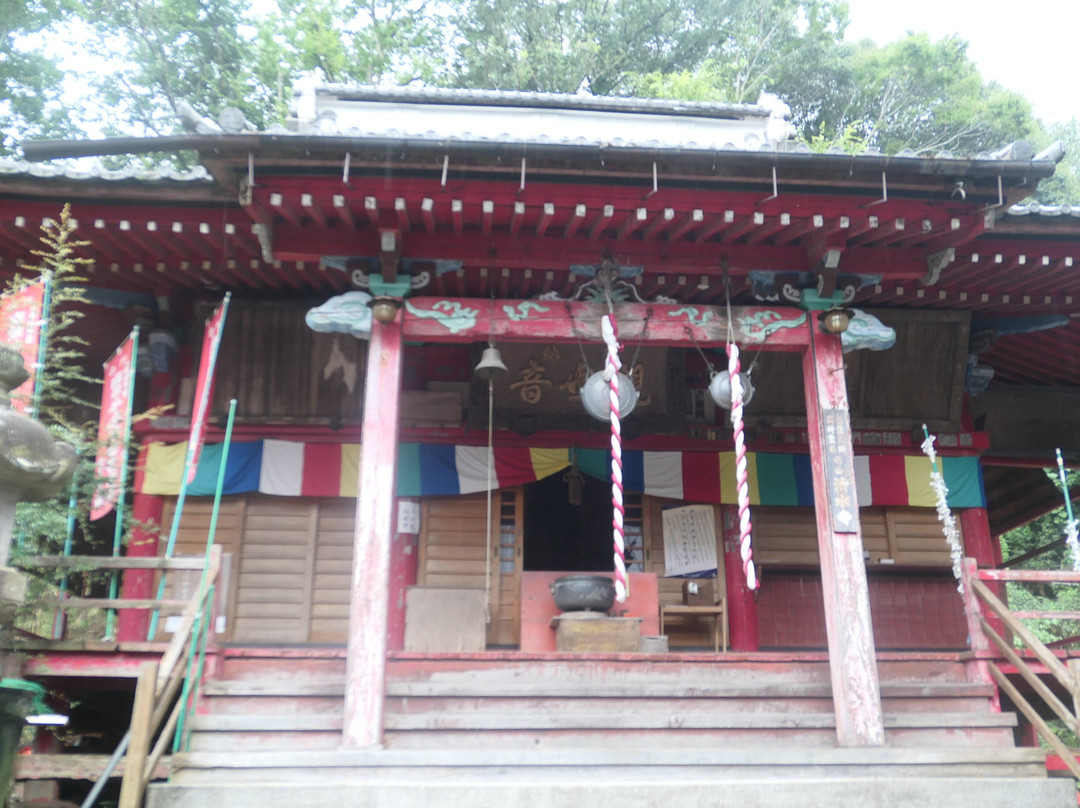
(383, 630)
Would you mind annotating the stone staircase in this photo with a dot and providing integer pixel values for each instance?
(500, 729)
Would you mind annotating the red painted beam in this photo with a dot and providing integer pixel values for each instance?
(470, 320)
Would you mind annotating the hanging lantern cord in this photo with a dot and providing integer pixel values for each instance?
(742, 476)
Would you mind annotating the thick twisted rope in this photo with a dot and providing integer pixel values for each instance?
(611, 374)
(944, 514)
(741, 474)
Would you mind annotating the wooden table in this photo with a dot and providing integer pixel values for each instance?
(720, 628)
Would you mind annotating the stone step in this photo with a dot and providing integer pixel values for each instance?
(625, 789)
(543, 720)
(689, 687)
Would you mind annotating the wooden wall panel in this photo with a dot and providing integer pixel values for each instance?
(453, 552)
(909, 536)
(274, 574)
(325, 371)
(333, 571)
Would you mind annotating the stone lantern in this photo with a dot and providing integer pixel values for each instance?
(34, 466)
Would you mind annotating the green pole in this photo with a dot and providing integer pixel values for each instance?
(60, 616)
(189, 459)
(206, 607)
(1064, 486)
(118, 530)
(43, 343)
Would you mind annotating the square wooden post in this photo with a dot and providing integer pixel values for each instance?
(365, 682)
(852, 657)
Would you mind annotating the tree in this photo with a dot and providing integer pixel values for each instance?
(30, 103)
(923, 95)
(174, 51)
(1064, 187)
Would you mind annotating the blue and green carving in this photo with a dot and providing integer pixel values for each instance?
(757, 327)
(450, 314)
(521, 310)
(697, 317)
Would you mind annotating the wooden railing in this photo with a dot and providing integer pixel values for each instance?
(157, 711)
(990, 646)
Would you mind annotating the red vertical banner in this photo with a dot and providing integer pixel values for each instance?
(21, 313)
(204, 385)
(113, 428)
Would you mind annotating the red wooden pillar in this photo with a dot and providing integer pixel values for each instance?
(133, 625)
(980, 545)
(852, 658)
(742, 609)
(978, 541)
(403, 570)
(365, 682)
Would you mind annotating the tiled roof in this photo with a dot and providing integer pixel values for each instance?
(22, 168)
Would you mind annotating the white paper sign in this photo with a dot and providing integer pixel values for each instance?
(689, 540)
(408, 516)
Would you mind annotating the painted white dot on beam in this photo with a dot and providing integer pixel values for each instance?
(338, 200)
(276, 200)
(1022, 260)
(941, 295)
(231, 263)
(114, 267)
(204, 228)
(954, 224)
(920, 293)
(1005, 298)
(184, 265)
(1048, 300)
(160, 266)
(307, 200)
(1046, 260)
(1027, 299)
(661, 279)
(899, 290)
(1068, 261)
(230, 229)
(483, 272)
(877, 289)
(151, 227)
(254, 263)
(370, 203)
(527, 274)
(99, 224)
(549, 275)
(125, 224)
(206, 265)
(985, 297)
(138, 267)
(998, 258)
(963, 296)
(505, 272)
(682, 280)
(974, 258)
(1068, 300)
(845, 222)
(178, 227)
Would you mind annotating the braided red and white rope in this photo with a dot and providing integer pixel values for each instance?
(611, 374)
(741, 474)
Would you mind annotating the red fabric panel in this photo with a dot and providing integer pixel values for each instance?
(888, 480)
(322, 470)
(513, 466)
(701, 476)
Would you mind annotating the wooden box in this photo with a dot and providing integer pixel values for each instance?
(444, 619)
(592, 632)
(699, 592)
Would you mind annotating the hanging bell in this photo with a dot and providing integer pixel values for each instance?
(490, 365)
(720, 389)
(595, 395)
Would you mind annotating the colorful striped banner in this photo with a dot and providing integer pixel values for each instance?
(285, 468)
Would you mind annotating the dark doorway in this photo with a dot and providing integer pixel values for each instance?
(564, 537)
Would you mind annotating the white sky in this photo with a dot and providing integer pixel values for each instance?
(1027, 46)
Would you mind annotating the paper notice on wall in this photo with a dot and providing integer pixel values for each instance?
(408, 516)
(689, 540)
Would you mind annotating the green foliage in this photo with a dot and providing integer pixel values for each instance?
(174, 51)
(1064, 187)
(30, 81)
(1048, 529)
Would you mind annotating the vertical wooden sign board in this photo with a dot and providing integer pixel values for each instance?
(852, 657)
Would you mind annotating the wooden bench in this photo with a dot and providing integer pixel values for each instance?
(717, 613)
